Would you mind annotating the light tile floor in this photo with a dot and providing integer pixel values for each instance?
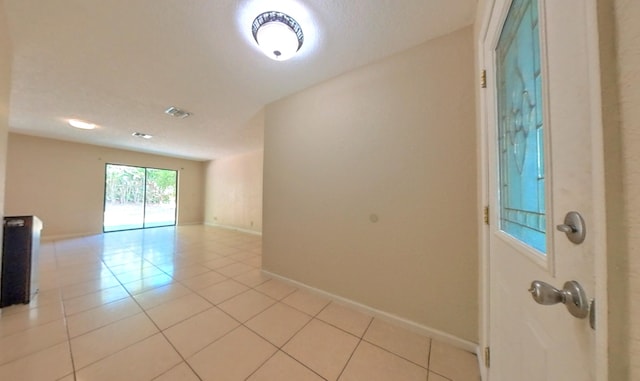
(190, 303)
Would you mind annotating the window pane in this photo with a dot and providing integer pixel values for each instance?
(520, 127)
(124, 198)
(160, 207)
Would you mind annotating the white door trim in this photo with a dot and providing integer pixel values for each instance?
(597, 229)
(599, 192)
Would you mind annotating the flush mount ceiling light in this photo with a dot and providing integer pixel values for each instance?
(278, 35)
(176, 112)
(141, 135)
(81, 124)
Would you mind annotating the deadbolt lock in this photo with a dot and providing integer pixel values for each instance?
(573, 227)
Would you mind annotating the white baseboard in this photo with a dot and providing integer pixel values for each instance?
(49, 238)
(382, 315)
(230, 227)
(189, 223)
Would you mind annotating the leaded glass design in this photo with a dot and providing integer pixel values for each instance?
(520, 126)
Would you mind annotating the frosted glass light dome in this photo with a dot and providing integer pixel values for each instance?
(278, 35)
(77, 123)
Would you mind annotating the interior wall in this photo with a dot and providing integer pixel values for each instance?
(63, 183)
(234, 192)
(5, 91)
(370, 186)
(628, 54)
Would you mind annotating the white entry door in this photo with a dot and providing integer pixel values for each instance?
(542, 127)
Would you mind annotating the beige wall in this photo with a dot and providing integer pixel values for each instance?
(63, 183)
(393, 140)
(5, 90)
(234, 192)
(628, 54)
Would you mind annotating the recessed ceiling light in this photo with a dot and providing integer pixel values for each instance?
(81, 124)
(141, 135)
(176, 112)
(278, 35)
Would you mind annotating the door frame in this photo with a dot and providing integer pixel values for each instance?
(104, 196)
(597, 229)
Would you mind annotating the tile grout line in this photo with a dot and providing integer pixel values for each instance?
(212, 306)
(240, 324)
(66, 325)
(429, 360)
(280, 348)
(429, 357)
(193, 254)
(97, 328)
(397, 354)
(344, 330)
(264, 362)
(115, 321)
(243, 324)
(349, 359)
(354, 349)
(159, 331)
(63, 319)
(441, 375)
(299, 362)
(313, 317)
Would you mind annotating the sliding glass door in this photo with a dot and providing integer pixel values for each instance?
(160, 197)
(138, 197)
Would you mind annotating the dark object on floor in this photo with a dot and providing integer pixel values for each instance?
(21, 241)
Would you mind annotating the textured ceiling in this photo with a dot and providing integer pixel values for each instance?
(121, 63)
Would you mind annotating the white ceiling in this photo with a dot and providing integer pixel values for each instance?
(121, 63)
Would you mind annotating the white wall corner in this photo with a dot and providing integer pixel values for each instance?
(230, 227)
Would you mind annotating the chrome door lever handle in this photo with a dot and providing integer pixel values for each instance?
(572, 296)
(545, 294)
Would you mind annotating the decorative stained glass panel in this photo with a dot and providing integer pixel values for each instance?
(520, 127)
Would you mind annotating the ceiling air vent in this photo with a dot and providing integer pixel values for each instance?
(176, 112)
(141, 135)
